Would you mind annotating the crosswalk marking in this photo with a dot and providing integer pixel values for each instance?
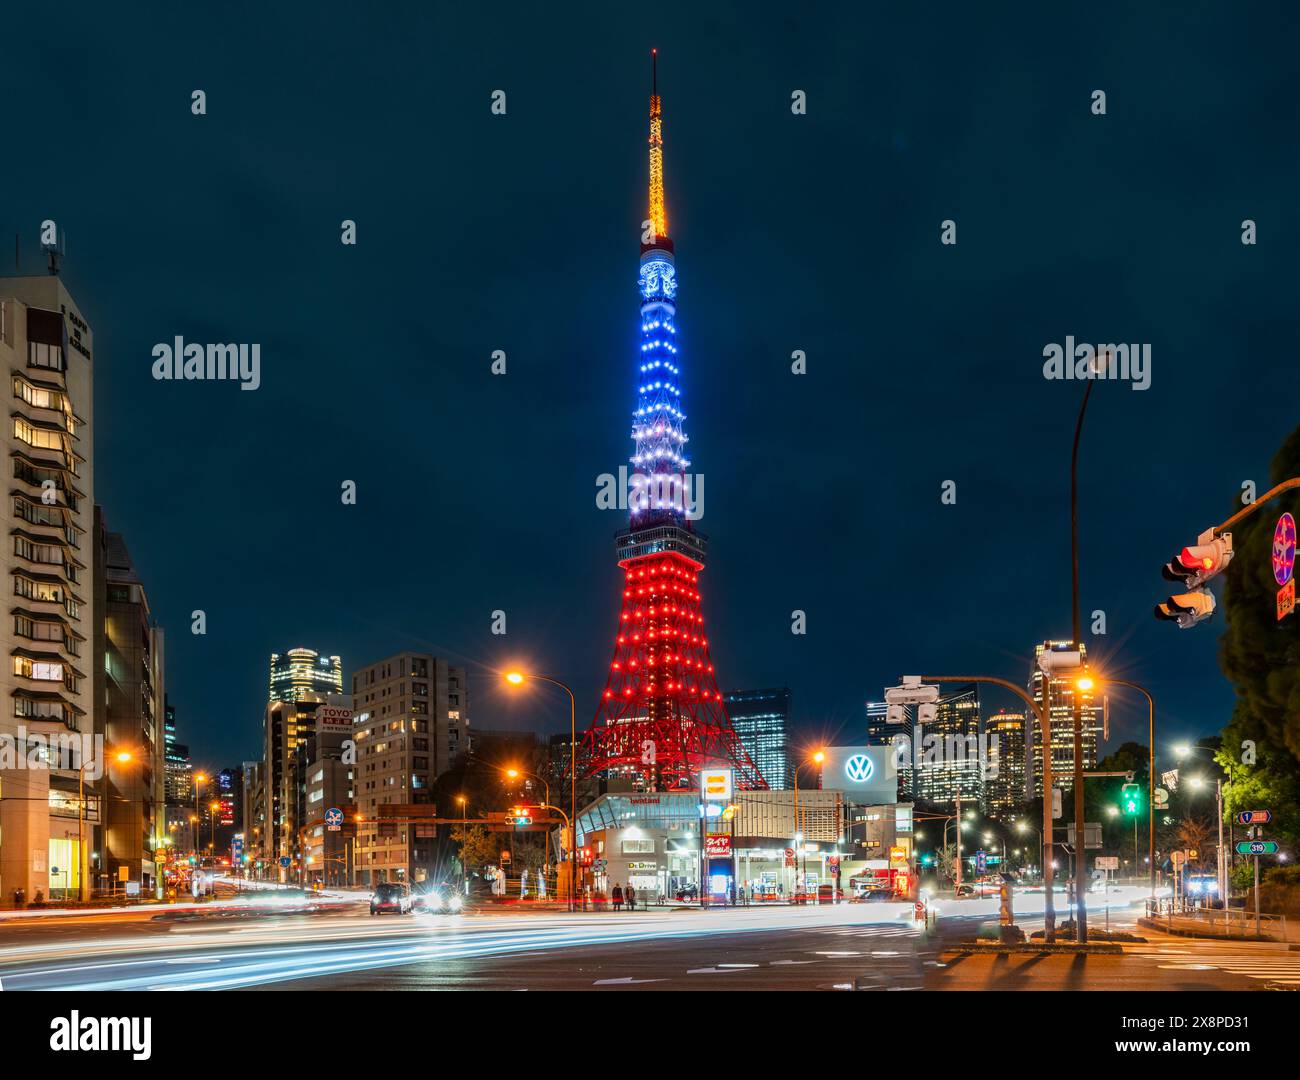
(1273, 964)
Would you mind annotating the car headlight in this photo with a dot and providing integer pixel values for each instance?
(455, 903)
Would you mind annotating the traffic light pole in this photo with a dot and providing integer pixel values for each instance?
(1245, 512)
(1080, 832)
(1151, 778)
(1049, 903)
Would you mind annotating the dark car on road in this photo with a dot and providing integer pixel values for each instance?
(688, 892)
(389, 896)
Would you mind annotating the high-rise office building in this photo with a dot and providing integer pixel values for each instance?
(179, 782)
(760, 719)
(947, 761)
(880, 732)
(129, 667)
(1004, 786)
(290, 743)
(1061, 690)
(304, 671)
(411, 719)
(46, 346)
(253, 815)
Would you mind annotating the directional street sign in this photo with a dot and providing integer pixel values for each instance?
(1257, 847)
(284, 860)
(1254, 817)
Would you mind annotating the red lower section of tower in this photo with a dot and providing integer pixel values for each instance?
(661, 714)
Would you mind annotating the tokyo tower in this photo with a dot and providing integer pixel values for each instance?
(661, 716)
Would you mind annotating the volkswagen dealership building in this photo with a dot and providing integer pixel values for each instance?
(755, 845)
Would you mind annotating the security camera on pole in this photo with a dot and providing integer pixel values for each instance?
(912, 692)
(1193, 567)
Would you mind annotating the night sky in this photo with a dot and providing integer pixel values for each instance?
(519, 232)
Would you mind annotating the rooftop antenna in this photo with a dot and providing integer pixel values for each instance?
(658, 214)
(55, 252)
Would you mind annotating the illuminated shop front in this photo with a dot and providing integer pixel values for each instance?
(652, 842)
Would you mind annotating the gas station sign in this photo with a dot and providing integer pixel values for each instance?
(717, 845)
(715, 785)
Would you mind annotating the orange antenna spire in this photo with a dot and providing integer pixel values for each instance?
(658, 214)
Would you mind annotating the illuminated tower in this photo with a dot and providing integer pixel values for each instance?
(661, 716)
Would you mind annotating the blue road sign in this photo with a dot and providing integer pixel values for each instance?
(333, 818)
(284, 860)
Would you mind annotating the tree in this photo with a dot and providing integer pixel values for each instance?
(1260, 655)
(478, 847)
(1193, 835)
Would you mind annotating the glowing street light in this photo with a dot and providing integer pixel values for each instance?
(517, 678)
(122, 757)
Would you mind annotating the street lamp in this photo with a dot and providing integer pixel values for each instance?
(122, 757)
(517, 678)
(817, 756)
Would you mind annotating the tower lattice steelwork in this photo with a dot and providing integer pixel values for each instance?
(661, 715)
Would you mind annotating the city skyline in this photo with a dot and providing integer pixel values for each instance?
(724, 498)
(1011, 516)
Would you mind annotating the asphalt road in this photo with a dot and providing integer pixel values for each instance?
(859, 947)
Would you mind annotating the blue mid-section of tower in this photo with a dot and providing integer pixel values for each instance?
(660, 461)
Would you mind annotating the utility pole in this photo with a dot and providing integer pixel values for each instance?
(959, 840)
(1080, 856)
(1040, 710)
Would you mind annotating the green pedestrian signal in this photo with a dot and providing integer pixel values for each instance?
(1130, 799)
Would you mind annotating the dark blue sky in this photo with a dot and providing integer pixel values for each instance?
(818, 232)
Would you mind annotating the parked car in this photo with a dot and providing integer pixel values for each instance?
(390, 896)
(688, 892)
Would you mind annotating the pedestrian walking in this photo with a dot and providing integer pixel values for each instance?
(618, 897)
(631, 898)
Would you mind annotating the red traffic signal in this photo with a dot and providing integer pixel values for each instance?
(1196, 564)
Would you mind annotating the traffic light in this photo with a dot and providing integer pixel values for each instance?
(1193, 567)
(519, 815)
(1130, 799)
(1186, 609)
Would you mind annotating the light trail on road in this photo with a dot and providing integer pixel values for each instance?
(219, 955)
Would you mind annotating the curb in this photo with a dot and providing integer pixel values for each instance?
(998, 949)
(1159, 927)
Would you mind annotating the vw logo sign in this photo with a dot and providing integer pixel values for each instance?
(859, 768)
